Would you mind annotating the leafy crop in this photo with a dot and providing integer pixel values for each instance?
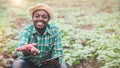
(100, 42)
(90, 31)
(8, 37)
(94, 37)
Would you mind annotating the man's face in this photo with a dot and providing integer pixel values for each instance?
(40, 19)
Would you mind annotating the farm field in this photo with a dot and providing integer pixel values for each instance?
(90, 30)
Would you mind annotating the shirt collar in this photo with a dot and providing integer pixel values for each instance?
(34, 29)
(46, 31)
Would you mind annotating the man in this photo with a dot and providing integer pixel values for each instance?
(45, 37)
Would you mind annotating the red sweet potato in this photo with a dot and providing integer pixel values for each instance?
(30, 47)
(25, 47)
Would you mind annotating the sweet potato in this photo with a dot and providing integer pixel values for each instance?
(30, 47)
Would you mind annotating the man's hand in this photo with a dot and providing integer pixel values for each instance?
(34, 51)
(29, 49)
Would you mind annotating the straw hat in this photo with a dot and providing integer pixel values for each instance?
(41, 6)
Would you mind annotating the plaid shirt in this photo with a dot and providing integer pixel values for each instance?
(49, 43)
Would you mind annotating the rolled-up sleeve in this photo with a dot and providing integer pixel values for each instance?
(57, 50)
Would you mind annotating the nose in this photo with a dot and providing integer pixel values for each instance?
(40, 18)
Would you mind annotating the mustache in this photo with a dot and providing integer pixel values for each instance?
(39, 21)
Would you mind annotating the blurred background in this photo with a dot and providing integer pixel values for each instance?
(90, 30)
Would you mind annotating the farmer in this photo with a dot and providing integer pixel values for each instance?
(45, 37)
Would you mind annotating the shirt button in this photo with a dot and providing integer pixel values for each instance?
(46, 51)
(32, 36)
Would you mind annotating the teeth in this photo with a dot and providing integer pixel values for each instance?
(40, 23)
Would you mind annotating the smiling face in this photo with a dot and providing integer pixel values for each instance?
(40, 19)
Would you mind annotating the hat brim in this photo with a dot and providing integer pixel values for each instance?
(43, 7)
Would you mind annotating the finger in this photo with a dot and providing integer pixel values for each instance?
(38, 51)
(34, 44)
(20, 48)
(26, 43)
(34, 54)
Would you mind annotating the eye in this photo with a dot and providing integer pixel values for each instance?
(36, 15)
(45, 16)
